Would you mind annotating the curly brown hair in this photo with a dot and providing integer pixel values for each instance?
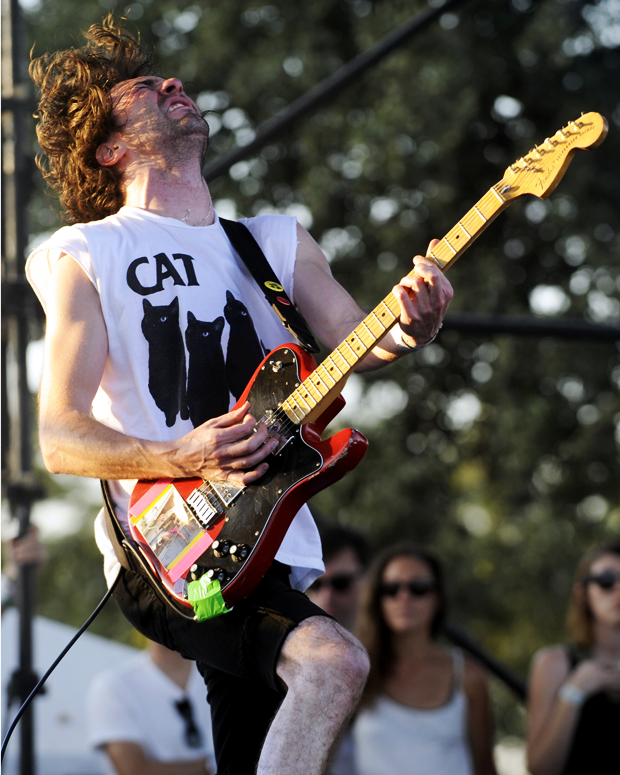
(75, 117)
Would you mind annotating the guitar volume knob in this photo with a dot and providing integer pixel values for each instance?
(196, 572)
(221, 548)
(217, 574)
(239, 552)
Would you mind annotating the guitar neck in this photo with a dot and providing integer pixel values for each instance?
(316, 392)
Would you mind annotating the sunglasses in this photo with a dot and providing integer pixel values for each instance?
(417, 588)
(341, 583)
(605, 580)
(193, 736)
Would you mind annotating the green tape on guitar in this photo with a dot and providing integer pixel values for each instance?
(205, 595)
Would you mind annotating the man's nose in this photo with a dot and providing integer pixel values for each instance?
(172, 86)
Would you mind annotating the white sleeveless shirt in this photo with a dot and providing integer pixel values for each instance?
(395, 739)
(173, 297)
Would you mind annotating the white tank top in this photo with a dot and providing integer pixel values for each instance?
(174, 297)
(395, 739)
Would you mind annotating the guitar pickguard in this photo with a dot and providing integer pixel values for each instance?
(293, 461)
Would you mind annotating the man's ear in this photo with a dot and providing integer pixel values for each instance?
(111, 152)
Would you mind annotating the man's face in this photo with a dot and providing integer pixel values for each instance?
(337, 591)
(155, 117)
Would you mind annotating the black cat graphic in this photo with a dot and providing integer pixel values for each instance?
(207, 389)
(244, 348)
(167, 379)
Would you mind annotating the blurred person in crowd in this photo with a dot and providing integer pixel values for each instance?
(337, 592)
(22, 550)
(425, 709)
(151, 717)
(574, 695)
(345, 554)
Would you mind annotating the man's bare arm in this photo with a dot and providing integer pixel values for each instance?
(73, 442)
(332, 313)
(129, 759)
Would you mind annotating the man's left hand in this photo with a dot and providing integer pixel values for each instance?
(424, 298)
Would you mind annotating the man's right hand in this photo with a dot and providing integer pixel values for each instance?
(231, 447)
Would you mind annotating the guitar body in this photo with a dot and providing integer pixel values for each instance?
(258, 515)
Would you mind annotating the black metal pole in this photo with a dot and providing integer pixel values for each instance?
(16, 402)
(327, 89)
(521, 325)
(512, 680)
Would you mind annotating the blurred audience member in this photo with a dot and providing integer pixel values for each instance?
(574, 695)
(345, 554)
(151, 716)
(24, 550)
(425, 709)
(337, 592)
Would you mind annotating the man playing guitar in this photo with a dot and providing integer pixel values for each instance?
(144, 280)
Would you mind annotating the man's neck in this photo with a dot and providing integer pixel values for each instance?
(180, 193)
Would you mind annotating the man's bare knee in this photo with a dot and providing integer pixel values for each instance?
(320, 654)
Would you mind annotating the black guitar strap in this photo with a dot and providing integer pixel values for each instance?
(249, 251)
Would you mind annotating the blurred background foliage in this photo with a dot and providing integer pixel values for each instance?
(500, 452)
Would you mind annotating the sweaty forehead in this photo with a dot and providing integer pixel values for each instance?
(123, 88)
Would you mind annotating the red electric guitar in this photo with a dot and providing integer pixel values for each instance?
(190, 527)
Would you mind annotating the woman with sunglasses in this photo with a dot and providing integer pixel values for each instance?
(425, 709)
(574, 696)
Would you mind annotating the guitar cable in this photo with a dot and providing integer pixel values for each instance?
(55, 664)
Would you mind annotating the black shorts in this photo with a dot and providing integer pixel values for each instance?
(236, 654)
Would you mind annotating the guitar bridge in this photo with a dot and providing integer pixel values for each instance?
(208, 502)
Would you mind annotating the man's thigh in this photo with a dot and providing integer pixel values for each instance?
(236, 653)
(245, 642)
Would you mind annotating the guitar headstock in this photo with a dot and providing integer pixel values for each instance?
(540, 171)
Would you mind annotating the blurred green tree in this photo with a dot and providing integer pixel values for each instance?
(501, 452)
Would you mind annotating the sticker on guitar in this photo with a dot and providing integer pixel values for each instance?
(190, 530)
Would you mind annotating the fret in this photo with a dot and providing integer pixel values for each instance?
(373, 330)
(384, 303)
(325, 374)
(346, 365)
(351, 341)
(377, 319)
(298, 397)
(454, 251)
(370, 333)
(333, 364)
(479, 213)
(291, 407)
(311, 402)
(310, 390)
(434, 258)
(317, 382)
(472, 222)
(352, 352)
(467, 234)
(498, 195)
(357, 333)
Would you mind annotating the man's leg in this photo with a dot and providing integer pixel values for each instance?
(324, 669)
